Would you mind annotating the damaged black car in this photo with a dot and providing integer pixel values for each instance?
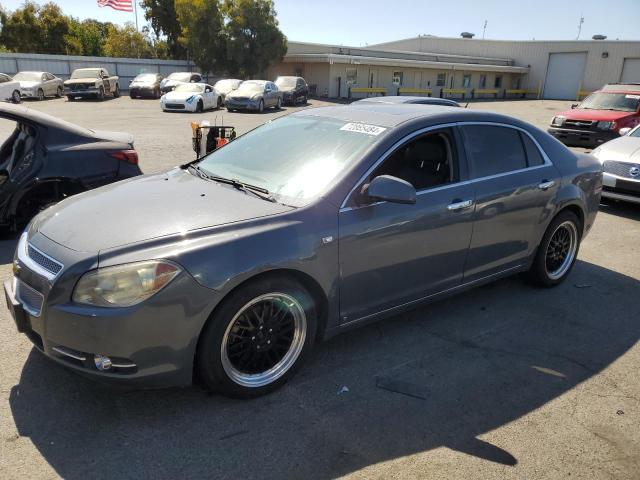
(44, 159)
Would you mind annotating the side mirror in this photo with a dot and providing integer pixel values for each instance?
(390, 189)
(574, 105)
(624, 131)
(4, 176)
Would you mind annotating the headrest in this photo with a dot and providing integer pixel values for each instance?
(428, 153)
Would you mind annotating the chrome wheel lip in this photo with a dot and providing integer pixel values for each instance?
(284, 365)
(562, 269)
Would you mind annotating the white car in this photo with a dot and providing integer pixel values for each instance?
(9, 89)
(190, 97)
(620, 159)
(39, 85)
(178, 78)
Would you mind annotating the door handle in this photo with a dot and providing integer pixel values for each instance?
(545, 185)
(459, 205)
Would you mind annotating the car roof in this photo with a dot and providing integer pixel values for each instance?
(394, 115)
(395, 99)
(19, 112)
(31, 71)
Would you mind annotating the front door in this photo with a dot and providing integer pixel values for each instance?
(514, 187)
(390, 253)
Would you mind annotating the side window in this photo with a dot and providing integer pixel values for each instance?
(196, 78)
(494, 149)
(534, 157)
(425, 162)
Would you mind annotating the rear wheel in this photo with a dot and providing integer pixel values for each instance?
(557, 252)
(261, 106)
(219, 106)
(15, 97)
(116, 92)
(279, 104)
(257, 338)
(59, 92)
(40, 94)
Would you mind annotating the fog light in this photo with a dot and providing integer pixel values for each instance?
(102, 362)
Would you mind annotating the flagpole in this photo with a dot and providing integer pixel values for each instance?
(135, 10)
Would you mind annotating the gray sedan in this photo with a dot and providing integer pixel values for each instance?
(254, 95)
(39, 85)
(231, 267)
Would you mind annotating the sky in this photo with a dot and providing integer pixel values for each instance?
(359, 23)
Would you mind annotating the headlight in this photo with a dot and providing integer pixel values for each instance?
(124, 285)
(606, 125)
(191, 98)
(557, 121)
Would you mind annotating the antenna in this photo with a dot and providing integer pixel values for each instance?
(484, 29)
(580, 26)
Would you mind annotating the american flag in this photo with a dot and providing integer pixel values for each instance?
(123, 5)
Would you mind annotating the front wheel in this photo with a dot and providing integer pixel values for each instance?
(101, 94)
(116, 92)
(199, 107)
(59, 92)
(258, 338)
(279, 104)
(261, 106)
(557, 252)
(40, 94)
(15, 97)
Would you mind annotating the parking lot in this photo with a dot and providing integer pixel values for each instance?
(505, 381)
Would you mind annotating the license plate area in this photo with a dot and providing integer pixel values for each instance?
(628, 185)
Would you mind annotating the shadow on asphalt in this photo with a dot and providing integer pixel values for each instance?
(620, 209)
(439, 376)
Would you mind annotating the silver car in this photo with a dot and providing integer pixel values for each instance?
(232, 266)
(620, 159)
(39, 85)
(254, 95)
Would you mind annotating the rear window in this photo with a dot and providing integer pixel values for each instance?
(494, 150)
(534, 157)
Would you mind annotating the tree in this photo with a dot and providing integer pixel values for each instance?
(201, 33)
(55, 27)
(253, 39)
(127, 42)
(21, 31)
(87, 37)
(164, 21)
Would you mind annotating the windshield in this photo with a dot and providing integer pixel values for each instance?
(190, 87)
(28, 76)
(635, 132)
(295, 158)
(286, 82)
(86, 73)
(179, 76)
(623, 102)
(145, 77)
(251, 87)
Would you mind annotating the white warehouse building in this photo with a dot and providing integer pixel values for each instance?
(463, 67)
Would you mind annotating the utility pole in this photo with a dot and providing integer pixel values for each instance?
(484, 29)
(580, 26)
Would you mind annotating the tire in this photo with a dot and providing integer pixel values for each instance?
(219, 105)
(59, 92)
(100, 95)
(40, 94)
(157, 94)
(557, 251)
(70, 98)
(116, 92)
(225, 366)
(303, 101)
(261, 106)
(199, 107)
(279, 103)
(131, 95)
(15, 97)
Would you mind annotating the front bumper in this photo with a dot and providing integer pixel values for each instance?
(178, 107)
(84, 92)
(620, 188)
(242, 105)
(142, 91)
(151, 344)
(29, 93)
(582, 138)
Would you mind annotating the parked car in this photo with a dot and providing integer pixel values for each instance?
(224, 86)
(620, 159)
(39, 85)
(190, 97)
(254, 95)
(232, 266)
(46, 160)
(394, 100)
(91, 82)
(599, 117)
(9, 89)
(146, 85)
(177, 78)
(294, 90)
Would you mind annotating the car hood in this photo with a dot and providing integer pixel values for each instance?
(626, 149)
(28, 84)
(141, 83)
(586, 114)
(81, 80)
(145, 208)
(241, 95)
(174, 96)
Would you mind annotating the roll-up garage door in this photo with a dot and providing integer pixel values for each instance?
(564, 74)
(630, 71)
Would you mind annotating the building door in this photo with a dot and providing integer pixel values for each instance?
(630, 71)
(564, 75)
(373, 78)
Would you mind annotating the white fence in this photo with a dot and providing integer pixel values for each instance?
(62, 65)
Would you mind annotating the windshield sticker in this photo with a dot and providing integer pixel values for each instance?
(363, 128)
(637, 97)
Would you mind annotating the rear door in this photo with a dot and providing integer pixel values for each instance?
(514, 184)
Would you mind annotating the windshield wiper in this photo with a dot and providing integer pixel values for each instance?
(259, 192)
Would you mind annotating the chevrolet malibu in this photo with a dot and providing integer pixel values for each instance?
(229, 268)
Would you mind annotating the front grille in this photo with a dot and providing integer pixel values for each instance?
(580, 124)
(175, 106)
(30, 298)
(239, 99)
(48, 263)
(80, 86)
(622, 169)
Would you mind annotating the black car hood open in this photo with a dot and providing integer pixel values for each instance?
(147, 207)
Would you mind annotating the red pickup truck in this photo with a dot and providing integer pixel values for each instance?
(599, 117)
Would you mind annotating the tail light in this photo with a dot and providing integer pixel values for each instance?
(129, 156)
